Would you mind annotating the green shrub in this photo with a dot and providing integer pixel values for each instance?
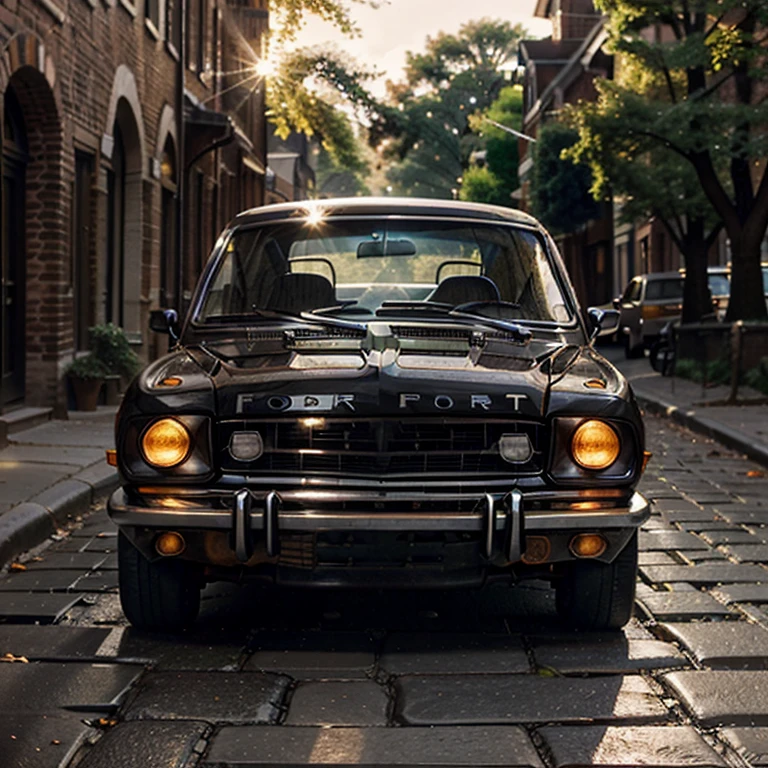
(86, 367)
(110, 346)
(714, 372)
(757, 378)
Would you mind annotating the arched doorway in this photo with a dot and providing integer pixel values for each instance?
(115, 296)
(124, 267)
(168, 183)
(12, 262)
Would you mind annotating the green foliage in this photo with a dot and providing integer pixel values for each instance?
(713, 372)
(306, 94)
(688, 95)
(86, 367)
(111, 349)
(500, 180)
(427, 129)
(560, 196)
(287, 17)
(481, 185)
(757, 378)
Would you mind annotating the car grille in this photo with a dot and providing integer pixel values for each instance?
(376, 447)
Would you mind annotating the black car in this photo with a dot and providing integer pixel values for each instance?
(380, 393)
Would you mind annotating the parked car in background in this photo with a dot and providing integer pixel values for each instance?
(648, 303)
(380, 393)
(652, 300)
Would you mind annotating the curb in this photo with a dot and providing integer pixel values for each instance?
(30, 523)
(730, 438)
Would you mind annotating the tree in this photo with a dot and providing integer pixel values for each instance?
(560, 196)
(426, 128)
(648, 180)
(703, 99)
(306, 95)
(335, 180)
(309, 87)
(496, 182)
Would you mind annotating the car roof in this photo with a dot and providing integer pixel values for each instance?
(662, 276)
(385, 206)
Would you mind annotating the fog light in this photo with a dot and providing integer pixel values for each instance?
(588, 545)
(246, 446)
(169, 544)
(516, 449)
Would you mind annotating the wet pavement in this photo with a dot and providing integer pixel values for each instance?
(484, 678)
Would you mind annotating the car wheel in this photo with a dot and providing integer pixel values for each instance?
(157, 596)
(593, 595)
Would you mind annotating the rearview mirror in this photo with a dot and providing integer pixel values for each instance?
(370, 248)
(604, 322)
(165, 321)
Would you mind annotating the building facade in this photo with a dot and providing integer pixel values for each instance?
(559, 70)
(100, 171)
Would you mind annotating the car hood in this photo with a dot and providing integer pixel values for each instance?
(419, 373)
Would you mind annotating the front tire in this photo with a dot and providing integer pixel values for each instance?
(160, 596)
(598, 596)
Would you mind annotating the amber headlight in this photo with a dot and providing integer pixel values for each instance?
(165, 443)
(595, 445)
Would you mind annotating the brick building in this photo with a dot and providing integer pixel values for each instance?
(91, 161)
(558, 70)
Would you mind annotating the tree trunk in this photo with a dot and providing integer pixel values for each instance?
(697, 300)
(747, 300)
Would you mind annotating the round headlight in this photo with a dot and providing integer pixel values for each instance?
(595, 445)
(166, 443)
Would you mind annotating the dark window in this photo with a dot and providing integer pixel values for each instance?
(82, 273)
(152, 12)
(657, 290)
(173, 23)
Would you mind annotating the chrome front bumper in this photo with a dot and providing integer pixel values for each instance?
(500, 517)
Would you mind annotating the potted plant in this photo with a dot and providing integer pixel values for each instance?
(86, 374)
(111, 347)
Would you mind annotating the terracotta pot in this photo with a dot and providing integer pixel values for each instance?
(86, 393)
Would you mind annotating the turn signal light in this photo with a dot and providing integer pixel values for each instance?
(169, 544)
(595, 445)
(588, 545)
(166, 443)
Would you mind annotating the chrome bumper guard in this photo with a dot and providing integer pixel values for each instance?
(495, 515)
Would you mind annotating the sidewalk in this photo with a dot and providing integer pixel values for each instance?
(743, 428)
(50, 474)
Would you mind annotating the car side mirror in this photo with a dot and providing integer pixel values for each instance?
(165, 321)
(604, 321)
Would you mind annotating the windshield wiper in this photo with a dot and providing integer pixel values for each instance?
(286, 317)
(439, 309)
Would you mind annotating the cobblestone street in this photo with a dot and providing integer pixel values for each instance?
(285, 678)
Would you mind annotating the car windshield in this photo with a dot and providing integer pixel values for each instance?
(361, 269)
(657, 290)
(719, 284)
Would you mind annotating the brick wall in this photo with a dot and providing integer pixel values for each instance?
(77, 69)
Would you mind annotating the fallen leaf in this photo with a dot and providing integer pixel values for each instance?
(106, 722)
(755, 473)
(544, 671)
(17, 567)
(9, 657)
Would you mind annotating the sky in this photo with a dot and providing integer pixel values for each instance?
(403, 25)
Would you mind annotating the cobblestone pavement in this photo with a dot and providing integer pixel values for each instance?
(452, 679)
